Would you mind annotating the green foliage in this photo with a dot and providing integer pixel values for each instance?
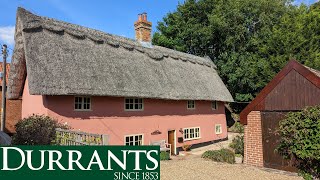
(36, 130)
(237, 127)
(164, 155)
(237, 144)
(222, 155)
(249, 40)
(300, 139)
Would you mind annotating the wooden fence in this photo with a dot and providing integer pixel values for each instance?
(78, 138)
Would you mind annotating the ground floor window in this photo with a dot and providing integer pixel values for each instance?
(134, 140)
(218, 129)
(191, 133)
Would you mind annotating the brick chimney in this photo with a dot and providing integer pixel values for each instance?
(143, 28)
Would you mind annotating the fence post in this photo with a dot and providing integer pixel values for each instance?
(105, 139)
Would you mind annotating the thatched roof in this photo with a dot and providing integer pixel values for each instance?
(314, 71)
(60, 58)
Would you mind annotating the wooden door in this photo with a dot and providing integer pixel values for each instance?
(171, 140)
(270, 140)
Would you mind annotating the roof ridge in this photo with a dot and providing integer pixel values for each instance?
(31, 22)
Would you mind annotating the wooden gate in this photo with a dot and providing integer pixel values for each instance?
(270, 141)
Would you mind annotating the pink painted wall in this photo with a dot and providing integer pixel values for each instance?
(109, 117)
(32, 104)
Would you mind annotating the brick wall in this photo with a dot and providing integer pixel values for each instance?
(13, 114)
(253, 151)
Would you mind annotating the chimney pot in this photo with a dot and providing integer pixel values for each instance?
(143, 28)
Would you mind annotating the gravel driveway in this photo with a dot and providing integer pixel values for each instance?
(197, 168)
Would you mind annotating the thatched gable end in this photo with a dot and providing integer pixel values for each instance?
(60, 58)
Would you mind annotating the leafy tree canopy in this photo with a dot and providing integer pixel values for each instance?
(249, 40)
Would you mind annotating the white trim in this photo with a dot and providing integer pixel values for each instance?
(124, 104)
(82, 103)
(216, 105)
(195, 138)
(124, 138)
(194, 105)
(215, 128)
(175, 142)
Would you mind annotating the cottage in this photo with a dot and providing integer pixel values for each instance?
(292, 89)
(13, 107)
(135, 92)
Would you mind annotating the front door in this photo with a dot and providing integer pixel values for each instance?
(171, 140)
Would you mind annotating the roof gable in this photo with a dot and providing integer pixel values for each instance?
(308, 73)
(67, 59)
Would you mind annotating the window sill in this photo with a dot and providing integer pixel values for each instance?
(191, 139)
(133, 110)
(82, 110)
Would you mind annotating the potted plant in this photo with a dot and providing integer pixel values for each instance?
(238, 158)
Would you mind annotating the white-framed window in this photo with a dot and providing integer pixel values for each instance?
(218, 129)
(191, 133)
(82, 103)
(191, 104)
(133, 104)
(133, 140)
(214, 105)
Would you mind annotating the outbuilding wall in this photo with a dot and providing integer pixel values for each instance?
(253, 150)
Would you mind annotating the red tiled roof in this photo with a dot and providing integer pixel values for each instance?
(7, 74)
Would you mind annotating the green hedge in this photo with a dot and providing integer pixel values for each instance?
(300, 140)
(222, 155)
(164, 155)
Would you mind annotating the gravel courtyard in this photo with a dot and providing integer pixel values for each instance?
(196, 168)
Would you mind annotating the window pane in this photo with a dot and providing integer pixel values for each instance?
(131, 100)
(127, 106)
(131, 138)
(136, 106)
(131, 106)
(127, 101)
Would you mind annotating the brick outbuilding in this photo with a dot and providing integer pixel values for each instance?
(13, 107)
(292, 89)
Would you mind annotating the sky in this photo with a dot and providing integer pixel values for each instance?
(111, 16)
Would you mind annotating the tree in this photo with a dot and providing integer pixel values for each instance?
(249, 40)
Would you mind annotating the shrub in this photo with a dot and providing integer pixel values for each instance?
(36, 130)
(237, 144)
(164, 155)
(300, 140)
(237, 127)
(222, 155)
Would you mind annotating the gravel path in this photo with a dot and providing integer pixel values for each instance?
(195, 167)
